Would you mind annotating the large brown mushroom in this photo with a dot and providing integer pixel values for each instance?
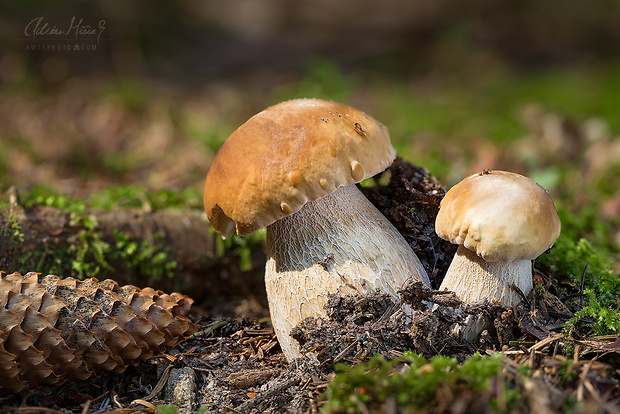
(292, 168)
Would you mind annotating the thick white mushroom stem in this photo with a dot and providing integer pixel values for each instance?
(338, 244)
(473, 279)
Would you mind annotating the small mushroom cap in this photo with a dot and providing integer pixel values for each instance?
(500, 215)
(291, 153)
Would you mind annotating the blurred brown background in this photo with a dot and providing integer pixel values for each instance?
(198, 41)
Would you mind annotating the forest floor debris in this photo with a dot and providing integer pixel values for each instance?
(234, 364)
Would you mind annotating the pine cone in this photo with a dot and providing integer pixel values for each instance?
(57, 330)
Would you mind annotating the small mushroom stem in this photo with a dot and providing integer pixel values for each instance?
(338, 244)
(473, 279)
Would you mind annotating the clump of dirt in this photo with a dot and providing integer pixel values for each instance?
(425, 321)
(411, 201)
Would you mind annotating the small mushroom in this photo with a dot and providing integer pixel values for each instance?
(292, 168)
(501, 222)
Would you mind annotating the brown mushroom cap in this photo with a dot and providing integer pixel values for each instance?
(288, 154)
(500, 215)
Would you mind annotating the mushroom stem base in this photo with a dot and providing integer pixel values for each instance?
(338, 244)
(473, 279)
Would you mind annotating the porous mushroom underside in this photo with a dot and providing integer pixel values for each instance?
(337, 244)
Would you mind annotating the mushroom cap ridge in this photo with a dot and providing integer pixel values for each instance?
(288, 154)
(500, 215)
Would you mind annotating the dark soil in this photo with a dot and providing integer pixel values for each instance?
(410, 201)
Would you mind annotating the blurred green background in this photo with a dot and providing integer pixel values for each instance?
(527, 86)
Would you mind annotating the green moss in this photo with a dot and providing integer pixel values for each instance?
(412, 381)
(572, 252)
(419, 385)
(167, 409)
(573, 258)
(138, 197)
(114, 197)
(45, 196)
(240, 247)
(604, 320)
(142, 257)
(87, 253)
(173, 409)
(87, 248)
